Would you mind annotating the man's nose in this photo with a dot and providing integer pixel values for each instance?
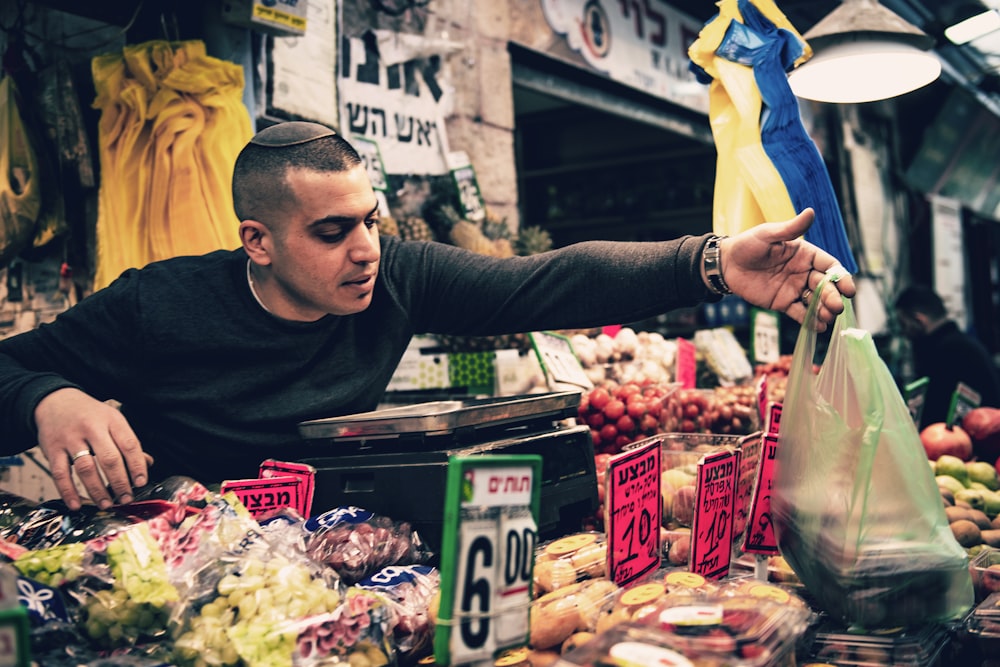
(364, 244)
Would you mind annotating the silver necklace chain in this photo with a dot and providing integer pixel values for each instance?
(253, 290)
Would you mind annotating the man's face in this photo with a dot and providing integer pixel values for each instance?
(909, 324)
(325, 250)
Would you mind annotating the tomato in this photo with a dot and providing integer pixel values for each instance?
(614, 409)
(599, 397)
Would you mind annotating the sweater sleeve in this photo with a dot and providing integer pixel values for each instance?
(449, 290)
(85, 347)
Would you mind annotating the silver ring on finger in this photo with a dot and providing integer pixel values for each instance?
(80, 454)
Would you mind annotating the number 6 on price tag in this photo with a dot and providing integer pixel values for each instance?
(487, 555)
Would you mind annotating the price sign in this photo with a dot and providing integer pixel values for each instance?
(687, 364)
(760, 537)
(634, 512)
(772, 422)
(471, 199)
(303, 472)
(963, 401)
(558, 359)
(487, 556)
(750, 447)
(760, 390)
(264, 496)
(712, 529)
(765, 327)
(915, 394)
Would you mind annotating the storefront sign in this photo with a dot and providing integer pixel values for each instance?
(487, 555)
(398, 104)
(640, 44)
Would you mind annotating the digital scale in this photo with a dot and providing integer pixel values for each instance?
(394, 461)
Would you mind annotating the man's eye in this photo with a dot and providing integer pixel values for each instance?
(332, 238)
(371, 222)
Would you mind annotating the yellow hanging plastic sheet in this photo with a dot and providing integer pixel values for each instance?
(172, 123)
(768, 167)
(748, 188)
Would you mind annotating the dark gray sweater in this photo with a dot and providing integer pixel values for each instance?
(212, 384)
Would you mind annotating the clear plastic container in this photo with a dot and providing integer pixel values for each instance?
(904, 647)
(716, 631)
(985, 571)
(680, 454)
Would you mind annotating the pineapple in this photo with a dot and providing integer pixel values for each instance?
(387, 225)
(414, 228)
(532, 240)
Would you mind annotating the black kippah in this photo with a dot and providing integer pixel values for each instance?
(290, 134)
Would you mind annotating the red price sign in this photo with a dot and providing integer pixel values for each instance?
(634, 512)
(303, 472)
(687, 363)
(712, 529)
(263, 496)
(772, 420)
(750, 447)
(761, 392)
(760, 537)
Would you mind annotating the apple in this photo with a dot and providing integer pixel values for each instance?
(938, 439)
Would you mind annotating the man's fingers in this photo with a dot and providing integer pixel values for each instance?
(62, 476)
(86, 469)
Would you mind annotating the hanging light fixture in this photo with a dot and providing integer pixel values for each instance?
(863, 52)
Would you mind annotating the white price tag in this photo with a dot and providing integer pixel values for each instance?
(766, 345)
(517, 546)
(473, 637)
(491, 529)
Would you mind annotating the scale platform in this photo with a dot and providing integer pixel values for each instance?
(395, 461)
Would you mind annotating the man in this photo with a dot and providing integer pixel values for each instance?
(216, 359)
(943, 353)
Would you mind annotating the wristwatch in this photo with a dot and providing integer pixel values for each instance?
(713, 267)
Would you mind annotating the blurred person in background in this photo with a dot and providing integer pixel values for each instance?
(943, 353)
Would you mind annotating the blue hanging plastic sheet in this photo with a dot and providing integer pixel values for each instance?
(747, 50)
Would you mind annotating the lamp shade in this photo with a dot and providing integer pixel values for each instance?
(864, 52)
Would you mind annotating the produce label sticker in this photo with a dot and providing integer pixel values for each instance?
(263, 496)
(558, 359)
(915, 394)
(760, 537)
(764, 335)
(964, 400)
(712, 528)
(487, 555)
(634, 512)
(750, 447)
(772, 419)
(305, 473)
(687, 363)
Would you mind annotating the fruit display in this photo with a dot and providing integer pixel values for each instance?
(983, 426)
(628, 356)
(940, 439)
(970, 491)
(722, 410)
(620, 414)
(841, 645)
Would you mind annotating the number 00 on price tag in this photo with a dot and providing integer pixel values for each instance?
(487, 552)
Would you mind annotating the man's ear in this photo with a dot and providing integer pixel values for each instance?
(255, 237)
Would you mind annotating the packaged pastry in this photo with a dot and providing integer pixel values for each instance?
(557, 615)
(568, 560)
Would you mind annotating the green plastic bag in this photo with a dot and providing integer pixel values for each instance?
(856, 510)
